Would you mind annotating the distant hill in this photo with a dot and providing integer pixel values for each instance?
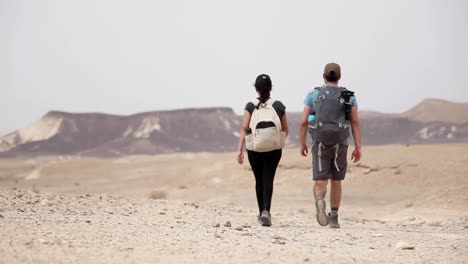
(186, 130)
(213, 130)
(431, 110)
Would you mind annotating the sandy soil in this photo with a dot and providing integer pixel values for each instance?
(173, 209)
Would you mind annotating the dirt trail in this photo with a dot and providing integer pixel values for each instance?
(48, 228)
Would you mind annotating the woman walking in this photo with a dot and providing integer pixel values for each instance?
(264, 130)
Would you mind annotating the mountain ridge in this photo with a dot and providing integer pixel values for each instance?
(213, 129)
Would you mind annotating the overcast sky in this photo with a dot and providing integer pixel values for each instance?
(124, 57)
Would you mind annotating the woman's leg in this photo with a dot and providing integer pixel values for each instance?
(256, 163)
(270, 163)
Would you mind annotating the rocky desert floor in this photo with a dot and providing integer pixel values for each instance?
(401, 204)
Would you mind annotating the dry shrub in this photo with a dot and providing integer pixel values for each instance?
(157, 195)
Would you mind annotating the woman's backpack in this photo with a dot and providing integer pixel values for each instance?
(265, 131)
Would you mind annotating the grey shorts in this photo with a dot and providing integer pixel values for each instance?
(328, 169)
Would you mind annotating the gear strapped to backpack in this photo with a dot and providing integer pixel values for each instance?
(265, 130)
(331, 125)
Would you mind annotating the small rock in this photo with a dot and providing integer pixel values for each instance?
(1, 216)
(88, 221)
(435, 223)
(216, 224)
(45, 202)
(246, 226)
(126, 248)
(239, 228)
(279, 242)
(43, 241)
(228, 224)
(306, 259)
(377, 235)
(403, 245)
(408, 205)
(29, 243)
(162, 213)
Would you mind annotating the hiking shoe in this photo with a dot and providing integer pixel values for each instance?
(333, 221)
(321, 208)
(265, 218)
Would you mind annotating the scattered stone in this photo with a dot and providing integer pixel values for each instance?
(216, 224)
(279, 242)
(397, 172)
(182, 187)
(377, 235)
(35, 189)
(87, 195)
(43, 241)
(162, 213)
(246, 226)
(403, 245)
(29, 243)
(306, 259)
(228, 224)
(408, 205)
(239, 228)
(88, 221)
(435, 223)
(20, 210)
(157, 195)
(1, 216)
(45, 202)
(216, 235)
(126, 248)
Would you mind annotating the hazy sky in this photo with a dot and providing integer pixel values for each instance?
(124, 57)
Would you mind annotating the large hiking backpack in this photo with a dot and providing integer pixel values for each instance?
(330, 126)
(265, 130)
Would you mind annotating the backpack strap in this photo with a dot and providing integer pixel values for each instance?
(270, 101)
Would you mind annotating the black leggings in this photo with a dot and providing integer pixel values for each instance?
(264, 166)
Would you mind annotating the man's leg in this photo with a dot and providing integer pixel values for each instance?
(335, 191)
(335, 194)
(320, 189)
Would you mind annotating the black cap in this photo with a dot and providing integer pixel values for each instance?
(263, 80)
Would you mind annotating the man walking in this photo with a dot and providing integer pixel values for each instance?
(329, 112)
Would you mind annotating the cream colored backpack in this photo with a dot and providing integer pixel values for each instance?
(265, 132)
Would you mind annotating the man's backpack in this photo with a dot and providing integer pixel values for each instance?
(265, 130)
(330, 126)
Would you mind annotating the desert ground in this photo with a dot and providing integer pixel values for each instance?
(401, 204)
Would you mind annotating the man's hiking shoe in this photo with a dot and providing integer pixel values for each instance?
(265, 218)
(321, 208)
(333, 221)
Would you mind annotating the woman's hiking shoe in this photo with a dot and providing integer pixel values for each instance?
(333, 221)
(321, 207)
(265, 218)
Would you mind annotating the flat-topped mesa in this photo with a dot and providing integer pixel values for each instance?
(187, 130)
(430, 110)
